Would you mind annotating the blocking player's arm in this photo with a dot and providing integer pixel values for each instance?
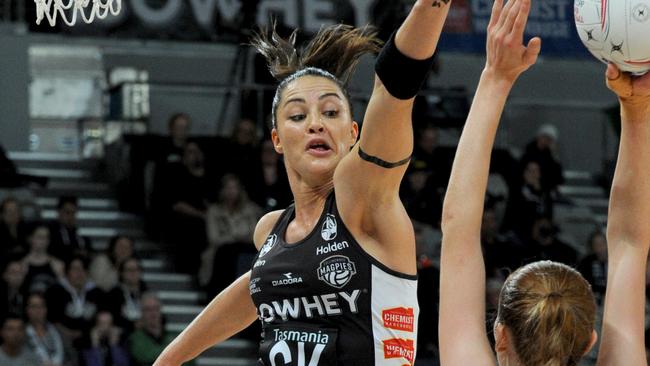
(462, 313)
(226, 315)
(628, 231)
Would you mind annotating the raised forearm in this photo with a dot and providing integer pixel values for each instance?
(230, 312)
(630, 197)
(464, 199)
(418, 36)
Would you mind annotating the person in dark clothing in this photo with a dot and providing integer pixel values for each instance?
(13, 230)
(528, 201)
(105, 344)
(544, 244)
(189, 187)
(420, 197)
(123, 300)
(267, 184)
(542, 150)
(9, 176)
(74, 301)
(594, 265)
(503, 252)
(64, 237)
(172, 148)
(12, 288)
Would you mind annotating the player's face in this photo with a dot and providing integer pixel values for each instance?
(314, 128)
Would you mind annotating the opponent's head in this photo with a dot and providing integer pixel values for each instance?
(546, 316)
(311, 111)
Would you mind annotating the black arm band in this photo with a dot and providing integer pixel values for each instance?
(382, 163)
(401, 75)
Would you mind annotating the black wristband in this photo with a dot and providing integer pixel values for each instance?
(401, 75)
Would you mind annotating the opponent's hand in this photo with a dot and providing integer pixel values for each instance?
(507, 57)
(633, 93)
(626, 86)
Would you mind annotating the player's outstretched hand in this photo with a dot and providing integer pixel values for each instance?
(507, 56)
(628, 87)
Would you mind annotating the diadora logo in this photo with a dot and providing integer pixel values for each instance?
(270, 242)
(331, 247)
(328, 231)
(336, 271)
(400, 348)
(253, 287)
(288, 279)
(398, 319)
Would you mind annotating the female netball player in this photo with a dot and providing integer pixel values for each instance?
(334, 281)
(546, 311)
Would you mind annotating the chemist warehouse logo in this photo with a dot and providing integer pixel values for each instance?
(336, 271)
(400, 348)
(328, 230)
(398, 319)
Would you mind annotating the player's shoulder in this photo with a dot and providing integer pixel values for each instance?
(264, 227)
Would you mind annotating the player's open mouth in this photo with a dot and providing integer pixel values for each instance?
(318, 146)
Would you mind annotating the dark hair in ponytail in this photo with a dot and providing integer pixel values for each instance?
(333, 53)
(550, 310)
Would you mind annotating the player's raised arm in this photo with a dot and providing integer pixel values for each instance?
(380, 158)
(628, 230)
(463, 339)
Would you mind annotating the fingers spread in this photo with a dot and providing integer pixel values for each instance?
(521, 20)
(496, 13)
(504, 14)
(510, 19)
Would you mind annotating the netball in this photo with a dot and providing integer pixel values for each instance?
(616, 32)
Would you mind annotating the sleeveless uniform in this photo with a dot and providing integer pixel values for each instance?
(325, 302)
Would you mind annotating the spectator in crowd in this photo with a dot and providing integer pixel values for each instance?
(13, 351)
(187, 199)
(178, 127)
(43, 270)
(12, 229)
(12, 288)
(74, 301)
(268, 185)
(528, 201)
(243, 149)
(124, 299)
(427, 149)
(545, 244)
(151, 338)
(543, 151)
(105, 346)
(230, 223)
(65, 240)
(419, 196)
(43, 338)
(594, 265)
(503, 253)
(104, 269)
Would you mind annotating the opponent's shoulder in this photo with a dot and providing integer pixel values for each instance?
(264, 227)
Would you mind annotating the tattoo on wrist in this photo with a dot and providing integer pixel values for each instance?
(438, 3)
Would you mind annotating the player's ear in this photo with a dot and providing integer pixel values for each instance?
(277, 145)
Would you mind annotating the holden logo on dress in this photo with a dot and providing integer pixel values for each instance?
(270, 242)
(398, 319)
(336, 271)
(400, 348)
(328, 231)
